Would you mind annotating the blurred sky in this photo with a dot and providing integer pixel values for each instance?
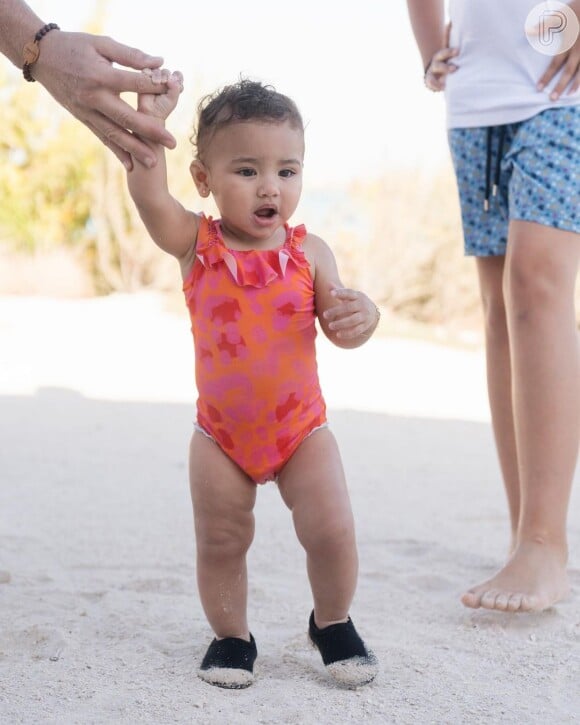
(352, 67)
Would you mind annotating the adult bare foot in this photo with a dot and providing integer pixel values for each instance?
(533, 579)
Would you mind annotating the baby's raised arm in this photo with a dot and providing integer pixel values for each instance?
(171, 227)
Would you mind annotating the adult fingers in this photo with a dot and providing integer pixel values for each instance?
(125, 118)
(121, 154)
(563, 82)
(436, 76)
(552, 69)
(435, 85)
(159, 76)
(439, 68)
(445, 54)
(575, 85)
(126, 55)
(120, 141)
(121, 80)
(448, 34)
(568, 66)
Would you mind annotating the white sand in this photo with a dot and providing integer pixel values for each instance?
(100, 622)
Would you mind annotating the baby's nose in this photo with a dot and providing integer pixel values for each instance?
(269, 187)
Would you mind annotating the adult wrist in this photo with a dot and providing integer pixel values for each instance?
(31, 51)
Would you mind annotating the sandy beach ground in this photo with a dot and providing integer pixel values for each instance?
(99, 617)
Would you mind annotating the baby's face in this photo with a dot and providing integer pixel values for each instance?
(254, 172)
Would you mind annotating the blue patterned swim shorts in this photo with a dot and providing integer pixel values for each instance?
(534, 168)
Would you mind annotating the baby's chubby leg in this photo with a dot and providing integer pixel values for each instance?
(223, 500)
(313, 487)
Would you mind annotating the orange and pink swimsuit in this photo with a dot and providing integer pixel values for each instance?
(253, 323)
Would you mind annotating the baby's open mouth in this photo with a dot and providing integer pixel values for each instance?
(266, 212)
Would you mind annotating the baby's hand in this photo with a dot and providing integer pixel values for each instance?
(162, 104)
(354, 316)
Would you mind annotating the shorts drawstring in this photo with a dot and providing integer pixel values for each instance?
(489, 144)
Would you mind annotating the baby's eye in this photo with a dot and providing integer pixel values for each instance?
(287, 173)
(246, 172)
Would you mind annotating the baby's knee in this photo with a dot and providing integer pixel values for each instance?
(230, 540)
(330, 536)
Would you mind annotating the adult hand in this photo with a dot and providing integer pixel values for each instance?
(440, 66)
(568, 64)
(77, 70)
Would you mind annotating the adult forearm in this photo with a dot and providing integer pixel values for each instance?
(428, 23)
(18, 24)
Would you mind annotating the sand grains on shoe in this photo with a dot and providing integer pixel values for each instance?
(229, 663)
(344, 654)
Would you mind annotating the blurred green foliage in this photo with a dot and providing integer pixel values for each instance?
(45, 165)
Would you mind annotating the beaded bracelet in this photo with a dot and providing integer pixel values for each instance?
(31, 50)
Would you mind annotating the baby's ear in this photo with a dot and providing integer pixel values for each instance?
(200, 177)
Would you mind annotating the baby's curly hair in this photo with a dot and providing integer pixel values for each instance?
(245, 100)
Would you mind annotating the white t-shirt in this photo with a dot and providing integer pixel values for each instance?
(498, 68)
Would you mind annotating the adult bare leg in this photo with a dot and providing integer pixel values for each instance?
(499, 380)
(540, 275)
